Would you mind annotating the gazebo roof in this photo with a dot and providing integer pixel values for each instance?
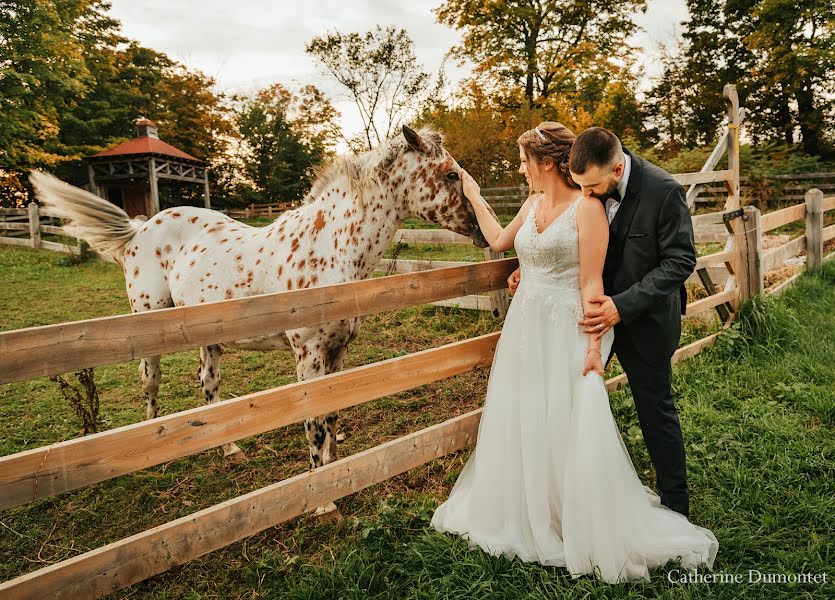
(148, 143)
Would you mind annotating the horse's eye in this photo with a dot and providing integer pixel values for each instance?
(452, 176)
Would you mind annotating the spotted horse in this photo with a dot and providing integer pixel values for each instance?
(187, 255)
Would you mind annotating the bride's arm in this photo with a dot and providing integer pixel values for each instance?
(500, 238)
(593, 230)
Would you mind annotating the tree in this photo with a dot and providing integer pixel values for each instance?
(794, 46)
(532, 50)
(671, 103)
(134, 81)
(381, 73)
(42, 71)
(283, 137)
(780, 54)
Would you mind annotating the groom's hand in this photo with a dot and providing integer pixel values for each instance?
(600, 318)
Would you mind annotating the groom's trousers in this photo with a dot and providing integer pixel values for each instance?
(651, 383)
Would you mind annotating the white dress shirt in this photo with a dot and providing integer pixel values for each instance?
(613, 205)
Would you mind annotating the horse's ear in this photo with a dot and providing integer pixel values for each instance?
(414, 139)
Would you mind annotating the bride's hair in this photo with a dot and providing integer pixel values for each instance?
(550, 141)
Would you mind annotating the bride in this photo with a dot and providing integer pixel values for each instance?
(550, 479)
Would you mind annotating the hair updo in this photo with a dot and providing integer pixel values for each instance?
(550, 141)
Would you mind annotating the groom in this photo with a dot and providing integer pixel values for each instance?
(651, 254)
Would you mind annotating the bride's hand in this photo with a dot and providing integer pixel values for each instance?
(594, 362)
(471, 189)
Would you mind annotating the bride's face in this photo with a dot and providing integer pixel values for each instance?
(523, 166)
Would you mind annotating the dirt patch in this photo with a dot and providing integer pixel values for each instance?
(774, 241)
(780, 274)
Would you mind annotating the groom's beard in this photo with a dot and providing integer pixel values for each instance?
(607, 194)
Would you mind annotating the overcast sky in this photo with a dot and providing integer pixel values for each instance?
(248, 44)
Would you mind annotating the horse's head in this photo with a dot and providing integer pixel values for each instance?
(433, 186)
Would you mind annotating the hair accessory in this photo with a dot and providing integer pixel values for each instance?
(540, 134)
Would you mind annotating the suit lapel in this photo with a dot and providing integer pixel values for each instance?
(630, 202)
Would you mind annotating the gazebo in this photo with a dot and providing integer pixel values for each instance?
(129, 174)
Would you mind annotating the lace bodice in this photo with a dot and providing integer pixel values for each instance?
(553, 256)
(550, 264)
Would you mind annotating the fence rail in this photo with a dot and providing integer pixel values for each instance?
(775, 188)
(51, 349)
(269, 210)
(68, 465)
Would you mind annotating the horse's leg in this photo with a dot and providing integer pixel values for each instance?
(150, 374)
(209, 373)
(320, 354)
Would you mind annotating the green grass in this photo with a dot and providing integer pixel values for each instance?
(757, 418)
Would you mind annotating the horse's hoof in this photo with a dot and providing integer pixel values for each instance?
(328, 513)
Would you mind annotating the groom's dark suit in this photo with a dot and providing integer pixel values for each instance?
(651, 254)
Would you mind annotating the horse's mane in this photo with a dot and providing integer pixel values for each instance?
(362, 171)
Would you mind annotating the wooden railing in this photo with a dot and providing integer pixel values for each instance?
(64, 466)
(26, 226)
(69, 465)
(269, 210)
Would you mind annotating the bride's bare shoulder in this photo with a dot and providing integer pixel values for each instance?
(591, 206)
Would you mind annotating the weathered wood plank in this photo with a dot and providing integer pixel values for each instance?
(14, 212)
(710, 233)
(702, 177)
(58, 247)
(717, 273)
(707, 303)
(52, 229)
(814, 228)
(714, 260)
(133, 559)
(430, 236)
(710, 164)
(388, 265)
(50, 349)
(128, 561)
(472, 302)
(776, 256)
(13, 241)
(4, 226)
(712, 218)
(781, 217)
(64, 466)
(754, 247)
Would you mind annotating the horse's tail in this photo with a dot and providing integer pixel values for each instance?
(106, 227)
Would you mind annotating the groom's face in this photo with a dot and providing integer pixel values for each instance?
(599, 182)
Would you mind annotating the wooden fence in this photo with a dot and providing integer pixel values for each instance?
(27, 227)
(254, 211)
(771, 191)
(63, 466)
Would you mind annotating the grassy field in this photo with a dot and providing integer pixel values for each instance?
(757, 414)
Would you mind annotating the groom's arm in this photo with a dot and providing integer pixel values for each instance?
(677, 259)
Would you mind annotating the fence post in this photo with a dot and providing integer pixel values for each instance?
(499, 300)
(754, 246)
(814, 228)
(34, 225)
(749, 249)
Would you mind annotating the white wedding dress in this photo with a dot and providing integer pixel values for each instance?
(550, 479)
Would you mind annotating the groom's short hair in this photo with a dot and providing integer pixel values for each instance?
(594, 147)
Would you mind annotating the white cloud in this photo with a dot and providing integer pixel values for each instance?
(248, 44)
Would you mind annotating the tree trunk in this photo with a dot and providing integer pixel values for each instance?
(809, 120)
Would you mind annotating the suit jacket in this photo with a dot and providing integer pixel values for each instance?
(651, 254)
